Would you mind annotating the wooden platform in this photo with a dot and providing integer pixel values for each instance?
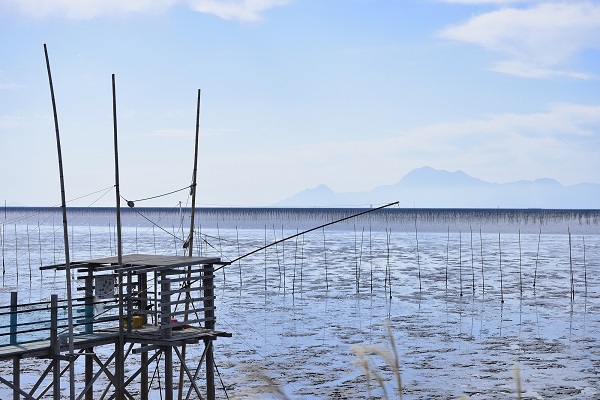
(148, 335)
(138, 262)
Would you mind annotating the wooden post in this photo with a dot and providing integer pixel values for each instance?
(165, 321)
(89, 328)
(209, 315)
(13, 340)
(55, 346)
(143, 294)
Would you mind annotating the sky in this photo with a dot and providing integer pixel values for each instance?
(353, 94)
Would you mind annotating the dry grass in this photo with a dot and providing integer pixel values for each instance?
(389, 354)
(369, 359)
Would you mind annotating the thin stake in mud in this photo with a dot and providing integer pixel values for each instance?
(584, 268)
(28, 253)
(90, 244)
(356, 267)
(265, 258)
(72, 242)
(520, 267)
(154, 239)
(472, 260)
(389, 266)
(237, 238)
(301, 263)
(481, 255)
(360, 258)
(418, 259)
(295, 263)
(17, 254)
(571, 267)
(447, 254)
(283, 260)
(40, 242)
(325, 261)
(460, 261)
(221, 249)
(3, 253)
(277, 256)
(500, 260)
(536, 259)
(371, 253)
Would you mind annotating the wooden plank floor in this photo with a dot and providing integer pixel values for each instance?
(146, 335)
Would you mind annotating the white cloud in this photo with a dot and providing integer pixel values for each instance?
(240, 10)
(539, 41)
(8, 86)
(473, 2)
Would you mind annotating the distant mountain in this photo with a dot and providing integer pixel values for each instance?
(430, 188)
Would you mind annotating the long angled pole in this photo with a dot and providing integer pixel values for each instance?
(309, 230)
(66, 236)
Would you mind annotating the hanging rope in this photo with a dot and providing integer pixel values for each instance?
(131, 203)
(185, 242)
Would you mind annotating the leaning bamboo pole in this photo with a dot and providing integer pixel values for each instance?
(65, 234)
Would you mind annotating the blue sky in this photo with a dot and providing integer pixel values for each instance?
(295, 93)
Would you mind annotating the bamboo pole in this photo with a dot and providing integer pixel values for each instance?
(472, 260)
(418, 258)
(325, 261)
(500, 260)
(481, 255)
(537, 259)
(307, 231)
(66, 235)
(447, 256)
(190, 240)
(460, 262)
(520, 267)
(119, 356)
(571, 267)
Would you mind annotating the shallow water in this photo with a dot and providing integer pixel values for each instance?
(460, 302)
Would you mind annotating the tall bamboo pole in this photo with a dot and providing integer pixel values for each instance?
(190, 241)
(65, 234)
(119, 357)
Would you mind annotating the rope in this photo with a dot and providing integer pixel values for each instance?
(131, 203)
(185, 242)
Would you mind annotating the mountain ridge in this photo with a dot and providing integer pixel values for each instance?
(427, 187)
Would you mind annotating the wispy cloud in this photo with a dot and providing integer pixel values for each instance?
(187, 133)
(473, 2)
(239, 10)
(539, 40)
(8, 86)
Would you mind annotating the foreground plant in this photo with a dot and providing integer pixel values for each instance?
(364, 353)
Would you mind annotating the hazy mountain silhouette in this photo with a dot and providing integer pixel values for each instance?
(430, 188)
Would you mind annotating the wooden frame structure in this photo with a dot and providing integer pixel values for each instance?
(158, 305)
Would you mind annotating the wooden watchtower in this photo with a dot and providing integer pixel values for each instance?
(148, 307)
